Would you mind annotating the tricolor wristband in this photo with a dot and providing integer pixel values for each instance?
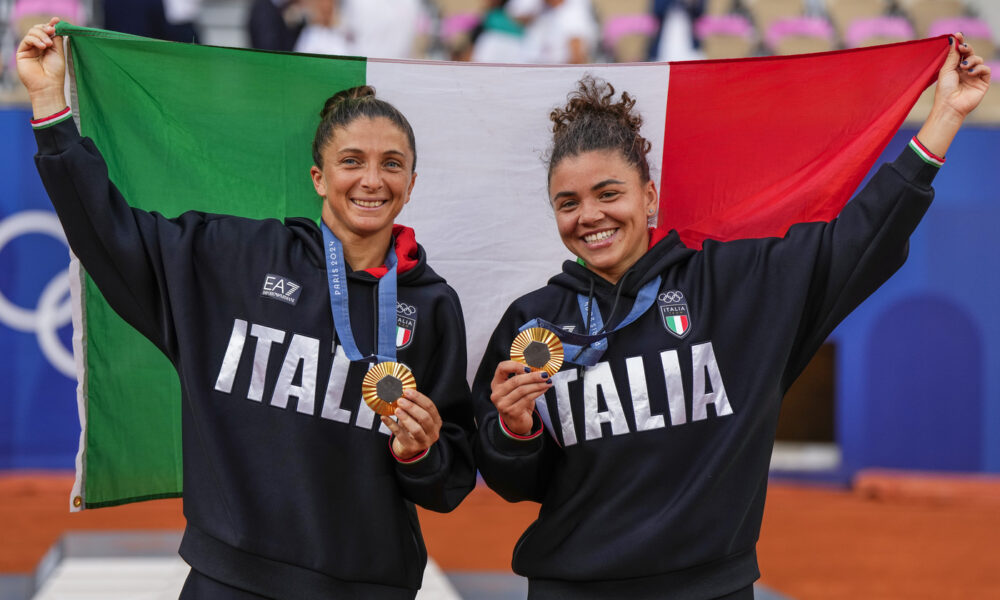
(407, 461)
(51, 120)
(517, 436)
(925, 155)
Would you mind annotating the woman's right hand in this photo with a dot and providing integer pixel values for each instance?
(41, 65)
(515, 389)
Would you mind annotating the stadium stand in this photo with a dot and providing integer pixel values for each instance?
(766, 12)
(976, 31)
(844, 12)
(925, 12)
(877, 30)
(799, 35)
(725, 36)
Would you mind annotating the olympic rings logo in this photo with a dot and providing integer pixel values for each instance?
(405, 309)
(671, 297)
(54, 309)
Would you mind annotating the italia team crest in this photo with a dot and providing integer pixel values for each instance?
(406, 322)
(674, 311)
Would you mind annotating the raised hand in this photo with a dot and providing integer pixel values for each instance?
(41, 65)
(963, 80)
(962, 83)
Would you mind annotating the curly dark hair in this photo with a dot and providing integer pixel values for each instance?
(344, 107)
(592, 120)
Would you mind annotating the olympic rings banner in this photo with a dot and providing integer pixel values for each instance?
(38, 416)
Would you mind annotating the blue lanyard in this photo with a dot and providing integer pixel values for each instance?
(586, 350)
(336, 275)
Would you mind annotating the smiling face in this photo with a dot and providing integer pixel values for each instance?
(601, 207)
(366, 178)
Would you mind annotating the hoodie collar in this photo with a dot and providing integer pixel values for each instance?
(407, 254)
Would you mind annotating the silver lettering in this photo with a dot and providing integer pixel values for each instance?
(703, 359)
(335, 389)
(599, 376)
(305, 350)
(231, 361)
(561, 381)
(265, 337)
(675, 386)
(644, 421)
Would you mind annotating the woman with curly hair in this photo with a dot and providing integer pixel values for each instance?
(649, 453)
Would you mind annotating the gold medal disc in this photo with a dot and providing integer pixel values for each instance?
(383, 386)
(539, 349)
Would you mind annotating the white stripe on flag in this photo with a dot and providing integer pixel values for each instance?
(468, 119)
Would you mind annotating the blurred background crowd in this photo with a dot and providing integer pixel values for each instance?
(518, 31)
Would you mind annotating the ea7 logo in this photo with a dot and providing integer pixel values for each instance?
(674, 312)
(406, 322)
(281, 288)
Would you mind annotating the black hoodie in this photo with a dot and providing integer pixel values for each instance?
(653, 470)
(290, 490)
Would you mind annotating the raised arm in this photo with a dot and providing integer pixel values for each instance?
(961, 85)
(122, 248)
(41, 65)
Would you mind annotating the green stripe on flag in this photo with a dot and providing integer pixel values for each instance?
(147, 105)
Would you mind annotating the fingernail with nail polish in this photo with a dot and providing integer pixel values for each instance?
(965, 62)
(545, 375)
(527, 369)
(548, 381)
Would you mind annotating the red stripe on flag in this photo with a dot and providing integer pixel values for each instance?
(684, 322)
(753, 146)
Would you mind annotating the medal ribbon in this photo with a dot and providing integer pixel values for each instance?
(586, 350)
(336, 274)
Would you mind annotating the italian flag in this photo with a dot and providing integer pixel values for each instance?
(741, 148)
(677, 323)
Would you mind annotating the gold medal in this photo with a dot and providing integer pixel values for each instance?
(539, 349)
(383, 386)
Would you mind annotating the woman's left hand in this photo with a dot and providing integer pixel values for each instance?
(417, 425)
(963, 80)
(962, 83)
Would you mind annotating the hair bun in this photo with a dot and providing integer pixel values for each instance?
(593, 120)
(355, 93)
(593, 100)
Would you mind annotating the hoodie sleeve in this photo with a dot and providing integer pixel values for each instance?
(441, 477)
(819, 272)
(120, 247)
(515, 467)
(862, 248)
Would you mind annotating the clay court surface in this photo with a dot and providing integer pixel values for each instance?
(890, 537)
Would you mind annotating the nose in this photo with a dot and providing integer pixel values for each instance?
(590, 211)
(371, 180)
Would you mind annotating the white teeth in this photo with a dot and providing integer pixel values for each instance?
(600, 235)
(369, 203)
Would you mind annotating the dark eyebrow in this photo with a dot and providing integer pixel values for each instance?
(359, 151)
(601, 184)
(593, 188)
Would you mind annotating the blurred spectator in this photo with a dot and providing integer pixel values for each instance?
(556, 31)
(676, 40)
(382, 28)
(323, 33)
(149, 18)
(275, 24)
(499, 38)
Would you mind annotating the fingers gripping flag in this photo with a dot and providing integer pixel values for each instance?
(741, 148)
